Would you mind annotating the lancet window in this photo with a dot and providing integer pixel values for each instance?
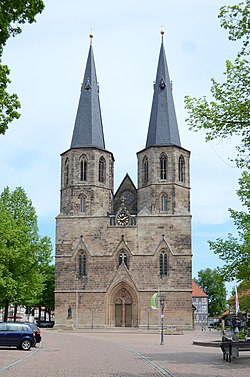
(83, 168)
(145, 170)
(164, 202)
(163, 264)
(82, 261)
(66, 172)
(102, 169)
(82, 200)
(181, 169)
(163, 166)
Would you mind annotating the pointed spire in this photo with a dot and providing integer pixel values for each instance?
(163, 127)
(88, 129)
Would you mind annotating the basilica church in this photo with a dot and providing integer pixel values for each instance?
(116, 249)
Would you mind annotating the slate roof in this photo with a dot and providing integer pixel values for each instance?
(88, 129)
(163, 127)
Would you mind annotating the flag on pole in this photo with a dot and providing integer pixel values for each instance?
(153, 301)
(237, 304)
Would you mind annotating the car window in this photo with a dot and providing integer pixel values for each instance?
(13, 327)
(3, 327)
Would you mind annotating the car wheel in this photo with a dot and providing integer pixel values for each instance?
(25, 344)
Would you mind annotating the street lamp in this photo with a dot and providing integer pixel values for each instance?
(92, 318)
(162, 305)
(148, 309)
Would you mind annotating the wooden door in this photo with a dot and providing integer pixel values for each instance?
(118, 315)
(128, 315)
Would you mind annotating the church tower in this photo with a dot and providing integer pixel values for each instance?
(87, 167)
(163, 197)
(114, 250)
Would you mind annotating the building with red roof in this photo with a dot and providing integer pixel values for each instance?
(200, 304)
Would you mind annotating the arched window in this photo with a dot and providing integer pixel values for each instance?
(123, 258)
(181, 169)
(82, 265)
(163, 264)
(163, 166)
(83, 168)
(164, 202)
(102, 169)
(82, 203)
(66, 172)
(145, 170)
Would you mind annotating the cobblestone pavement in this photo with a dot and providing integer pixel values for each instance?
(119, 353)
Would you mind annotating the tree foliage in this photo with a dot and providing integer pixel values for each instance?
(243, 296)
(13, 13)
(9, 103)
(228, 113)
(212, 284)
(24, 255)
(235, 19)
(47, 298)
(235, 251)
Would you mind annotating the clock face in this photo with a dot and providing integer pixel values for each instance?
(127, 196)
(122, 219)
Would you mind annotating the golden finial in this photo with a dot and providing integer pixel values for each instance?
(91, 36)
(162, 33)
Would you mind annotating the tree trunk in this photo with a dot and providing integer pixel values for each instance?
(15, 312)
(49, 312)
(6, 310)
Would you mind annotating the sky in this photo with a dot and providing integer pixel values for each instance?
(47, 63)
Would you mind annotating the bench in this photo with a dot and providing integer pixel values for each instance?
(231, 348)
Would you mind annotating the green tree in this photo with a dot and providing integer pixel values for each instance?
(24, 255)
(243, 295)
(48, 297)
(235, 251)
(213, 285)
(228, 113)
(13, 13)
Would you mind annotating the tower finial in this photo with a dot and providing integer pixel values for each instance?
(162, 33)
(91, 36)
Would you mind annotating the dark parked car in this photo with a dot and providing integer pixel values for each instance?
(19, 335)
(36, 330)
(47, 324)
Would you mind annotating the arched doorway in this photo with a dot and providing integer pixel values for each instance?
(123, 308)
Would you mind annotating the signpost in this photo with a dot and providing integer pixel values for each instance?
(162, 304)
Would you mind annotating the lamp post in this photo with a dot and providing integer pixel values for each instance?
(148, 310)
(162, 304)
(92, 318)
(77, 303)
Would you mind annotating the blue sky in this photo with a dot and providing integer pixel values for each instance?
(47, 64)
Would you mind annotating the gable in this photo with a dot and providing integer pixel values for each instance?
(126, 194)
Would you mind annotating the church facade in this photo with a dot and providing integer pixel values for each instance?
(114, 250)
